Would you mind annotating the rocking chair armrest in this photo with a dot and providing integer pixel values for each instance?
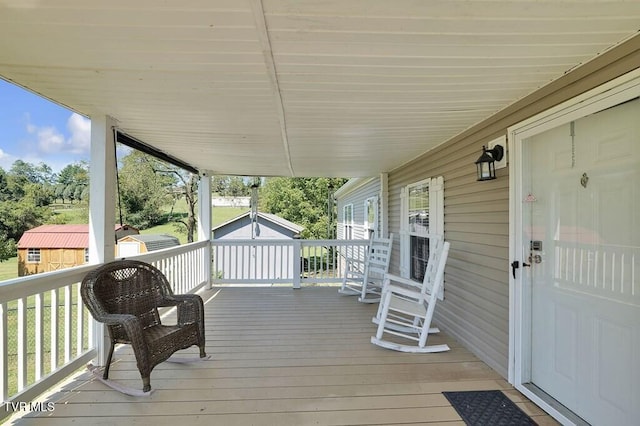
(405, 281)
(403, 291)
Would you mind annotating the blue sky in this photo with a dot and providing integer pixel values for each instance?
(36, 130)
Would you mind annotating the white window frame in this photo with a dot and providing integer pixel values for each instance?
(436, 221)
(371, 229)
(347, 221)
(34, 255)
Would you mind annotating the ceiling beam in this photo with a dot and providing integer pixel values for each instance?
(265, 43)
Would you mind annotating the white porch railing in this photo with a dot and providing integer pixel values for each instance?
(46, 332)
(283, 261)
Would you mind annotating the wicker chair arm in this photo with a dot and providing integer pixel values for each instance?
(190, 307)
(113, 319)
(135, 333)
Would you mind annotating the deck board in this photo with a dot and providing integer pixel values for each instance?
(285, 357)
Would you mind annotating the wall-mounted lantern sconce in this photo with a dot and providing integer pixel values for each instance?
(486, 163)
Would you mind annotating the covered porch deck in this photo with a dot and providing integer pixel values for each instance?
(281, 356)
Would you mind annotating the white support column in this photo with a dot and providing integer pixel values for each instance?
(204, 220)
(102, 208)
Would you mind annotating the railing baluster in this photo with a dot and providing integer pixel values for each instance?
(38, 332)
(54, 330)
(79, 322)
(67, 323)
(4, 366)
(22, 343)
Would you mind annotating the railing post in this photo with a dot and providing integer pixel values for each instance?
(297, 263)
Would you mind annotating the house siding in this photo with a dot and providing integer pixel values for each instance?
(357, 196)
(476, 214)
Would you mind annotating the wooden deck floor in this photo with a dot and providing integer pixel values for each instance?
(285, 357)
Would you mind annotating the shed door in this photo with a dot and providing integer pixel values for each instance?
(127, 249)
(581, 232)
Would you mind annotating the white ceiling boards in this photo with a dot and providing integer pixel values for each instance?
(307, 88)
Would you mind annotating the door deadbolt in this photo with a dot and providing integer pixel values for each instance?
(535, 258)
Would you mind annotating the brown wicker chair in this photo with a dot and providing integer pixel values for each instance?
(125, 295)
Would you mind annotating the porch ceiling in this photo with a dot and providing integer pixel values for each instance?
(299, 87)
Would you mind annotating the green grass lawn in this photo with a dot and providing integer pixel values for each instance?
(9, 269)
(71, 213)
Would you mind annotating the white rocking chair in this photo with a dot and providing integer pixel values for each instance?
(406, 307)
(366, 281)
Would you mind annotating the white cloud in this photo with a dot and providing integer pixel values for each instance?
(80, 139)
(6, 160)
(50, 141)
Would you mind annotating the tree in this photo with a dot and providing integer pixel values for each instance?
(301, 200)
(143, 192)
(28, 172)
(219, 184)
(69, 192)
(7, 247)
(5, 190)
(76, 174)
(25, 193)
(187, 187)
(237, 187)
(39, 195)
(16, 217)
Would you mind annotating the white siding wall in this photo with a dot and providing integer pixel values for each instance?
(476, 305)
(357, 197)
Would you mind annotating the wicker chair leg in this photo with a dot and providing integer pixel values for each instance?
(202, 352)
(108, 364)
(146, 384)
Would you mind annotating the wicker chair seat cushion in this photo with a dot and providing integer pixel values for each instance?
(162, 340)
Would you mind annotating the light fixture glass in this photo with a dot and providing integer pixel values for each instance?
(485, 165)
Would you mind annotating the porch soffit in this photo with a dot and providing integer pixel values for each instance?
(289, 87)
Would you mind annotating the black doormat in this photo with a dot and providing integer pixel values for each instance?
(487, 408)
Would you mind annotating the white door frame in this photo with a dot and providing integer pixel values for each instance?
(610, 94)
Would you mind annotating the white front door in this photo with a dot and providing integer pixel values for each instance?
(580, 234)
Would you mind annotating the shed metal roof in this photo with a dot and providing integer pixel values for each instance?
(56, 236)
(59, 236)
(155, 242)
